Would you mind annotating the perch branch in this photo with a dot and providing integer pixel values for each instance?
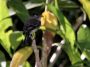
(79, 21)
(36, 51)
(44, 54)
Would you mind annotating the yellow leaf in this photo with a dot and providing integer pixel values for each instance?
(49, 20)
(86, 6)
(21, 56)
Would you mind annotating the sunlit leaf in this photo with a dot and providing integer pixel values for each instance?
(67, 32)
(21, 56)
(84, 38)
(5, 41)
(73, 54)
(26, 64)
(86, 6)
(84, 41)
(8, 38)
(15, 39)
(11, 39)
(86, 52)
(4, 13)
(65, 27)
(4, 24)
(79, 64)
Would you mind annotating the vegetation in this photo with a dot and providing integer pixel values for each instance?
(45, 33)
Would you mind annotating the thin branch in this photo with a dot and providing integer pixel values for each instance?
(47, 1)
(36, 51)
(79, 21)
(44, 54)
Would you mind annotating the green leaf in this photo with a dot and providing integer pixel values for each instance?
(86, 6)
(83, 37)
(5, 41)
(11, 39)
(8, 63)
(57, 14)
(15, 39)
(4, 24)
(79, 64)
(37, 1)
(20, 9)
(4, 13)
(26, 64)
(84, 41)
(66, 30)
(86, 52)
(67, 4)
(73, 54)
(2, 56)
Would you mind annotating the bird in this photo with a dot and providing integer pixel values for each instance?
(29, 29)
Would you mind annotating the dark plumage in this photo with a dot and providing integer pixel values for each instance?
(30, 26)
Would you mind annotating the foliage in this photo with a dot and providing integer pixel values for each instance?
(54, 21)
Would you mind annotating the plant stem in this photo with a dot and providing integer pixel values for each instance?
(36, 51)
(44, 54)
(47, 1)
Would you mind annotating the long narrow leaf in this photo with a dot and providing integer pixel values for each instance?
(4, 24)
(86, 6)
(68, 34)
(21, 56)
(64, 25)
(20, 9)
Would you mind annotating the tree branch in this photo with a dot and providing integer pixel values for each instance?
(36, 51)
